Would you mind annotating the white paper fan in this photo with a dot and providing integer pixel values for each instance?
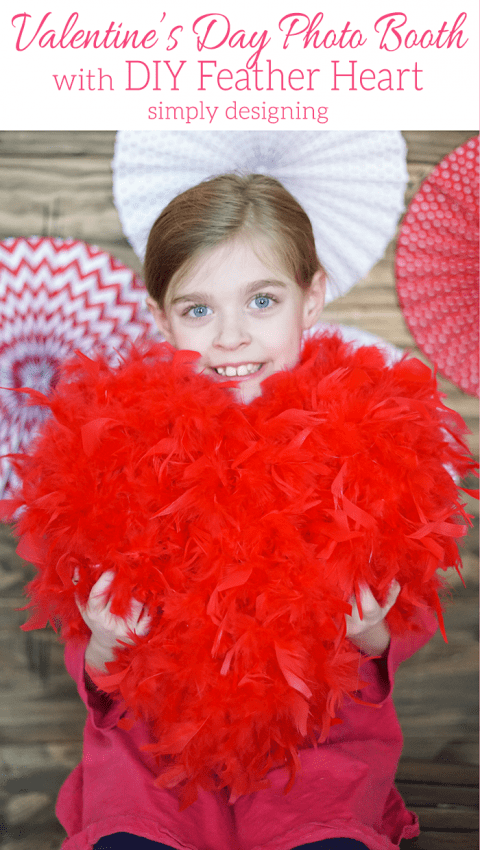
(351, 184)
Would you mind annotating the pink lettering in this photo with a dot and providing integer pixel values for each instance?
(300, 24)
(214, 30)
(391, 38)
(79, 38)
(22, 27)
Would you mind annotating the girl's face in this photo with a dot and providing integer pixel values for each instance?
(243, 314)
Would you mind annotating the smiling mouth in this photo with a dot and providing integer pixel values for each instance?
(240, 371)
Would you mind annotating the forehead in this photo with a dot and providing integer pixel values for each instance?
(236, 262)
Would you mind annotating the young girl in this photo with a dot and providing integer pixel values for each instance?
(233, 275)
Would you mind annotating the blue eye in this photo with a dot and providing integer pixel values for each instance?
(262, 301)
(199, 311)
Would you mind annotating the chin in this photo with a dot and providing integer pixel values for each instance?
(245, 394)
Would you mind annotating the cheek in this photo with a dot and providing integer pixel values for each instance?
(186, 338)
(288, 343)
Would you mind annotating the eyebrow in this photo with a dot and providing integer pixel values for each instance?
(252, 287)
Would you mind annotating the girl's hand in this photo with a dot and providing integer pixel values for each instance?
(370, 632)
(108, 630)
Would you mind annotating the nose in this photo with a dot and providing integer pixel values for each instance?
(231, 334)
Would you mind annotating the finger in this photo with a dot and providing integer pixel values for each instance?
(392, 596)
(136, 612)
(146, 617)
(103, 582)
(367, 604)
(142, 618)
(143, 626)
(97, 600)
(353, 602)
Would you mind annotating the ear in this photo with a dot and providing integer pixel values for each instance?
(314, 300)
(161, 319)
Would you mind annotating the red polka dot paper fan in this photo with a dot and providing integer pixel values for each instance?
(57, 296)
(437, 267)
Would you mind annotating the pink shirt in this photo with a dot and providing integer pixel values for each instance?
(345, 788)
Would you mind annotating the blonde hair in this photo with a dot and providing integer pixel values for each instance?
(220, 209)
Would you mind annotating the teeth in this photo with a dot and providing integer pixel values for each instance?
(238, 371)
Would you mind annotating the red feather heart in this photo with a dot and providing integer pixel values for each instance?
(247, 528)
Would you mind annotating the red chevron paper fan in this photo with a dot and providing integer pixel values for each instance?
(437, 267)
(57, 296)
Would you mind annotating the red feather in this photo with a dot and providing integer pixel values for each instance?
(247, 528)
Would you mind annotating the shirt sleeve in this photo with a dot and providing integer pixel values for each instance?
(104, 712)
(378, 674)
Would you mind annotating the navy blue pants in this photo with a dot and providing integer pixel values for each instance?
(125, 841)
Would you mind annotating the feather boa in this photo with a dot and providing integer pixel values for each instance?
(246, 528)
